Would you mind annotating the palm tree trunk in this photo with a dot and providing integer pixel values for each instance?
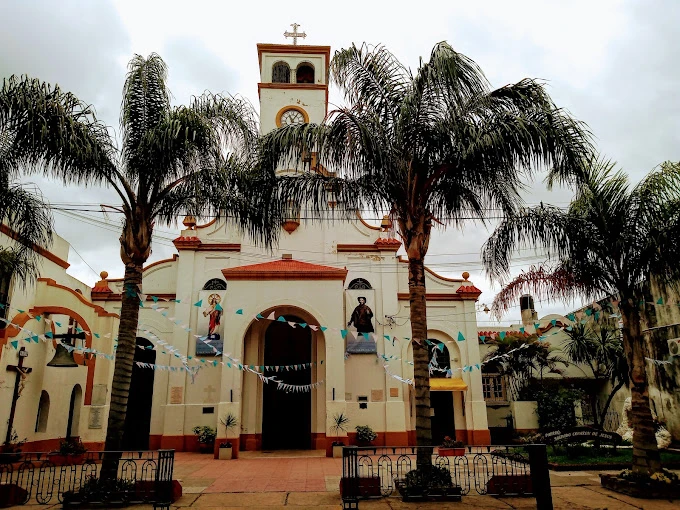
(646, 458)
(122, 372)
(608, 403)
(418, 314)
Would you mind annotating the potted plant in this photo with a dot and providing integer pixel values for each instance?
(340, 422)
(10, 451)
(229, 421)
(71, 452)
(206, 438)
(451, 448)
(365, 435)
(430, 484)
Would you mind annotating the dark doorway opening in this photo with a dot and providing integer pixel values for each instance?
(443, 425)
(73, 422)
(287, 416)
(138, 417)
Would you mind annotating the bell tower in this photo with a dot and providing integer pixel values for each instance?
(293, 84)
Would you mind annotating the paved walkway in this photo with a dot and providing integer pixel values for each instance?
(280, 481)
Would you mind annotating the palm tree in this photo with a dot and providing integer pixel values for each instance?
(174, 160)
(599, 348)
(436, 147)
(521, 360)
(610, 241)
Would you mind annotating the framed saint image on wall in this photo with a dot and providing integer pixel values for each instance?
(209, 324)
(361, 338)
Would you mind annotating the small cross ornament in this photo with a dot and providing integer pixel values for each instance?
(294, 34)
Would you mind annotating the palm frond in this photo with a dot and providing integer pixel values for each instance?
(46, 130)
(544, 283)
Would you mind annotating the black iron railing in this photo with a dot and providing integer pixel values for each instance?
(141, 477)
(484, 470)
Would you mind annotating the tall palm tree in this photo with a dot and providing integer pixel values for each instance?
(437, 146)
(522, 360)
(173, 161)
(599, 348)
(610, 241)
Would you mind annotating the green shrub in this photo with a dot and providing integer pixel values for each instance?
(434, 477)
(555, 406)
(365, 434)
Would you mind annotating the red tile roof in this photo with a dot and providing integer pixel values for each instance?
(285, 270)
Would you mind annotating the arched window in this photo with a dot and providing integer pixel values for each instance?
(359, 284)
(440, 360)
(74, 412)
(304, 73)
(215, 284)
(281, 73)
(43, 412)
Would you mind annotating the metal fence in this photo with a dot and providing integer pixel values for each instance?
(483, 470)
(142, 477)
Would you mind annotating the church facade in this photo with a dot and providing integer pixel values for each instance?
(283, 340)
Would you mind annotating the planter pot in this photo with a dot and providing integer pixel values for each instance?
(206, 447)
(415, 494)
(144, 488)
(369, 487)
(11, 494)
(337, 451)
(225, 453)
(451, 452)
(637, 490)
(9, 458)
(509, 484)
(66, 460)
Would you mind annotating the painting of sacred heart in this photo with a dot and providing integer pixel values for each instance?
(209, 321)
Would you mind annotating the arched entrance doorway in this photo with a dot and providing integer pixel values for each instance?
(138, 416)
(74, 412)
(441, 402)
(287, 416)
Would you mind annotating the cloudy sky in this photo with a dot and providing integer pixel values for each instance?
(612, 64)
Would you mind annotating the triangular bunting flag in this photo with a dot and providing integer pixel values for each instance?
(659, 301)
(323, 328)
(281, 319)
(343, 332)
(15, 343)
(198, 303)
(218, 307)
(271, 316)
(461, 338)
(521, 330)
(482, 338)
(259, 316)
(240, 311)
(553, 322)
(502, 334)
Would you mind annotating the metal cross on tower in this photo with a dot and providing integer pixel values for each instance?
(295, 34)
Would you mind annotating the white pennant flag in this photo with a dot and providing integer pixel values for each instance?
(271, 317)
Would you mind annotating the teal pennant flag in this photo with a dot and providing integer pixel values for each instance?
(37, 317)
(15, 343)
(239, 311)
(218, 307)
(199, 303)
(521, 330)
(659, 301)
(155, 299)
(303, 324)
(387, 337)
(259, 316)
(571, 317)
(96, 335)
(323, 328)
(502, 335)
(589, 312)
(482, 338)
(553, 322)
(343, 332)
(35, 339)
(281, 319)
(49, 334)
(461, 338)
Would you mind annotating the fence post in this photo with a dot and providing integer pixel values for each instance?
(166, 464)
(350, 478)
(540, 476)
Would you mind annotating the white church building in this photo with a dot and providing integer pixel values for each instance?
(228, 327)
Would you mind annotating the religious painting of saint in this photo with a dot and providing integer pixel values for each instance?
(361, 317)
(214, 311)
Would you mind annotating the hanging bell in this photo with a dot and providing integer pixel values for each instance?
(62, 357)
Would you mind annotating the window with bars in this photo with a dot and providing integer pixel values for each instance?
(280, 73)
(493, 386)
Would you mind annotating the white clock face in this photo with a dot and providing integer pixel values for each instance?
(290, 117)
